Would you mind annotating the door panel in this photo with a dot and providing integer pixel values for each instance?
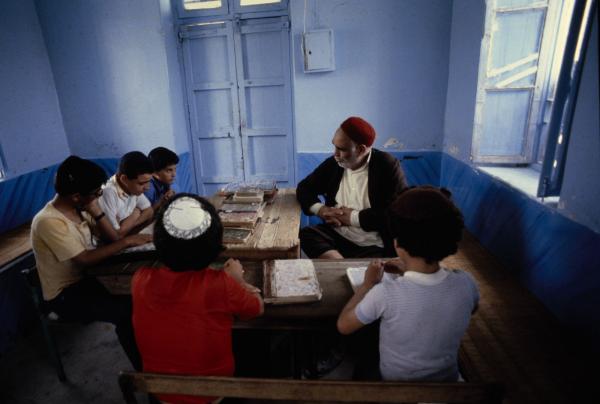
(209, 61)
(272, 113)
(266, 160)
(265, 99)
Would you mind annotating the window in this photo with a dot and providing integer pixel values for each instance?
(207, 8)
(201, 4)
(515, 88)
(526, 51)
(245, 3)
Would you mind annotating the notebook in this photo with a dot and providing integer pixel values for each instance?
(356, 276)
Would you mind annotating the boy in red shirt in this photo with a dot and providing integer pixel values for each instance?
(183, 312)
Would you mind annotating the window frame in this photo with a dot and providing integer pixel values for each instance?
(539, 89)
(3, 166)
(230, 8)
(559, 131)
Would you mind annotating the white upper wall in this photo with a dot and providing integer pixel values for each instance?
(391, 61)
(32, 135)
(113, 75)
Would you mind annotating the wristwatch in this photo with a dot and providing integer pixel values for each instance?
(100, 216)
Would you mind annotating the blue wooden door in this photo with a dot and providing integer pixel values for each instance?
(239, 101)
(212, 97)
(265, 98)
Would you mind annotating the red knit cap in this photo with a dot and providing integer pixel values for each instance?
(359, 130)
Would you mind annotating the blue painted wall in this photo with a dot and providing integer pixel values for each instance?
(554, 257)
(468, 21)
(116, 81)
(32, 135)
(391, 62)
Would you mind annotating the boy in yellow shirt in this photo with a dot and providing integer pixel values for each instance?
(63, 244)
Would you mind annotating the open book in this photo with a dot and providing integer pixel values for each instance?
(290, 281)
(356, 276)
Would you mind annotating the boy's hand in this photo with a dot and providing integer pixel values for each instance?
(395, 266)
(234, 269)
(374, 273)
(93, 208)
(167, 195)
(138, 239)
(251, 288)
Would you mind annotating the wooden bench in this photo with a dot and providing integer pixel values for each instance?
(308, 390)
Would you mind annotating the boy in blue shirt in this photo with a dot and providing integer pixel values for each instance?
(165, 169)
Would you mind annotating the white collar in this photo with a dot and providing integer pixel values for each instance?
(427, 279)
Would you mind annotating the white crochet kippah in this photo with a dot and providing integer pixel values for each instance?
(186, 219)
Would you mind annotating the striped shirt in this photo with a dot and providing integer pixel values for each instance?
(423, 318)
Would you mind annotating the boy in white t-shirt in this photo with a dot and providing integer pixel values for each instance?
(123, 200)
(424, 309)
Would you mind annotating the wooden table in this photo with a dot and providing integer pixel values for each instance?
(14, 244)
(276, 234)
(331, 274)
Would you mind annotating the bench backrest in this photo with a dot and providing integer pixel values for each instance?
(309, 390)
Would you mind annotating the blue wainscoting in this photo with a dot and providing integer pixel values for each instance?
(420, 168)
(554, 257)
(23, 196)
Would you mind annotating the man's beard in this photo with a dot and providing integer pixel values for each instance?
(343, 163)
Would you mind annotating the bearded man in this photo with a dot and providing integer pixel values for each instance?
(357, 183)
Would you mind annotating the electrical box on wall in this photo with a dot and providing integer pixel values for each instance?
(318, 51)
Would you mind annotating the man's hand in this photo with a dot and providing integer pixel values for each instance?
(234, 269)
(330, 215)
(345, 217)
(138, 239)
(374, 273)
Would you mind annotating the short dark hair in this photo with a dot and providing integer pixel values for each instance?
(194, 254)
(135, 163)
(425, 222)
(77, 175)
(162, 157)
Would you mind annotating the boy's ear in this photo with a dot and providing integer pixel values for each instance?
(76, 198)
(122, 177)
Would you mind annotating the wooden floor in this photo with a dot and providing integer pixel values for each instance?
(515, 340)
